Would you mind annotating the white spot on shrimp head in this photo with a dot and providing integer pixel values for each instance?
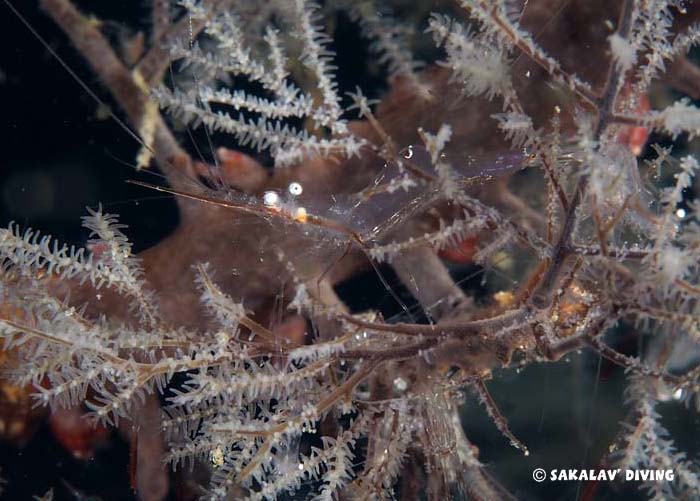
(271, 198)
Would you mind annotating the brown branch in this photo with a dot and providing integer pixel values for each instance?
(83, 32)
(393, 353)
(693, 289)
(629, 363)
(552, 69)
(425, 275)
(555, 349)
(636, 120)
(455, 328)
(565, 286)
(482, 392)
(561, 194)
(591, 338)
(160, 19)
(606, 107)
(582, 250)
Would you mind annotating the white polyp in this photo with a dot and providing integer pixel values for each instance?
(295, 189)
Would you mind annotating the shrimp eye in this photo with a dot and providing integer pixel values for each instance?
(295, 189)
(271, 198)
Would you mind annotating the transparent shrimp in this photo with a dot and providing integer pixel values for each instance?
(400, 190)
